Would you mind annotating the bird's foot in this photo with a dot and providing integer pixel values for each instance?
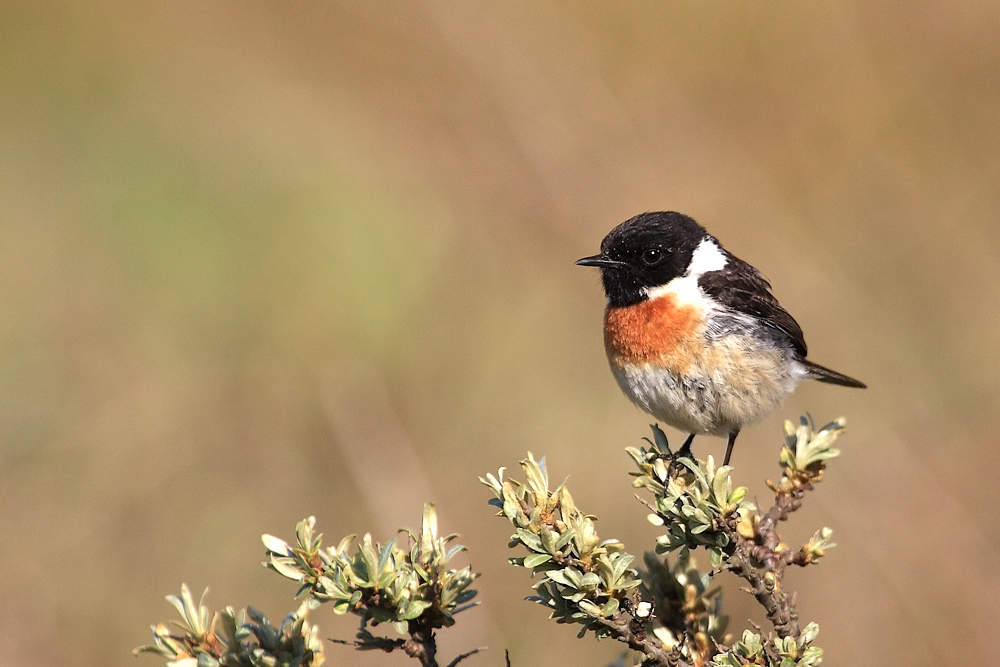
(676, 467)
(685, 451)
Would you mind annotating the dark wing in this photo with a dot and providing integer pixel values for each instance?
(741, 287)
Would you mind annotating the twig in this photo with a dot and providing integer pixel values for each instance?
(465, 655)
(761, 561)
(421, 644)
(632, 632)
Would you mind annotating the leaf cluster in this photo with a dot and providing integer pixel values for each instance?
(407, 587)
(234, 639)
(671, 612)
(584, 579)
(804, 456)
(803, 461)
(752, 650)
(686, 606)
(693, 500)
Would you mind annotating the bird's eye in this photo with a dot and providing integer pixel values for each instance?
(653, 256)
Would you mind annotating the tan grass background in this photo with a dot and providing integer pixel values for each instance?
(260, 260)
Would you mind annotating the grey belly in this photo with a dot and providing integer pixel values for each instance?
(725, 394)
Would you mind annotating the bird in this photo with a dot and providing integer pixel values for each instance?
(693, 334)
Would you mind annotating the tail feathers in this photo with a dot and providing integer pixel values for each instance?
(824, 374)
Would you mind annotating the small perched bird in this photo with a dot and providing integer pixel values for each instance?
(693, 334)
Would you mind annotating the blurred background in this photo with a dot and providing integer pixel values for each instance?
(261, 260)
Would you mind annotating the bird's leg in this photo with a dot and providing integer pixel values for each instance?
(729, 447)
(685, 450)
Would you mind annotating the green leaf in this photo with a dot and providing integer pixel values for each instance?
(534, 473)
(809, 633)
(286, 567)
(565, 539)
(660, 439)
(548, 538)
(530, 540)
(454, 550)
(589, 608)
(559, 576)
(535, 560)
(415, 609)
(276, 545)
(620, 565)
(385, 555)
(722, 485)
(573, 576)
(660, 470)
(610, 607)
(344, 543)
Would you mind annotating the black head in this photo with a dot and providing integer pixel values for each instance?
(646, 251)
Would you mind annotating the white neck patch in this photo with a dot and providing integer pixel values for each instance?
(707, 257)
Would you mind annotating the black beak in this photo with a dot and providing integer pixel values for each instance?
(600, 261)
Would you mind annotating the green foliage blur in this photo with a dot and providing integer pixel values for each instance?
(267, 260)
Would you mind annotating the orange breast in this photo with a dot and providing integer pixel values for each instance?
(658, 330)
